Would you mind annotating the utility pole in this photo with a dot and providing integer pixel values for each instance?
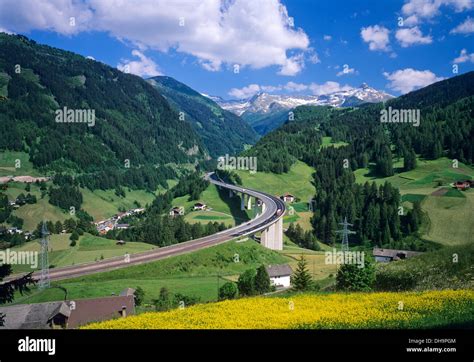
(44, 281)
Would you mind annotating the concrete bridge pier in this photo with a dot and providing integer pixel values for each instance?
(272, 237)
(242, 202)
(249, 202)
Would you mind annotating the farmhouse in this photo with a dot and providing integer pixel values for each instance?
(463, 185)
(280, 275)
(388, 255)
(177, 211)
(287, 198)
(67, 314)
(14, 230)
(199, 206)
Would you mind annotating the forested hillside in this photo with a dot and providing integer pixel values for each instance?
(222, 131)
(134, 131)
(446, 129)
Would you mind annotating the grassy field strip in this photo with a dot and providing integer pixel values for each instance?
(89, 249)
(190, 274)
(298, 181)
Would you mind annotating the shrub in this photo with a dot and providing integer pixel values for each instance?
(228, 291)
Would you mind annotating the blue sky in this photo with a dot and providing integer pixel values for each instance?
(297, 46)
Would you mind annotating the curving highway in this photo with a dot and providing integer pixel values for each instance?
(274, 210)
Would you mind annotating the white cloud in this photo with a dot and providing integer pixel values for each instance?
(295, 87)
(377, 37)
(464, 57)
(327, 37)
(291, 87)
(292, 65)
(249, 33)
(466, 27)
(412, 36)
(328, 87)
(312, 56)
(245, 92)
(406, 80)
(144, 67)
(411, 20)
(270, 88)
(3, 30)
(62, 16)
(419, 10)
(346, 70)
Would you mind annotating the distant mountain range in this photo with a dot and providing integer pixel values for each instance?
(266, 112)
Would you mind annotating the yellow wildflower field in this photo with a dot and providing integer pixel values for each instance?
(322, 311)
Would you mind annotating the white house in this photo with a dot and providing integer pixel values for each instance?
(199, 206)
(280, 275)
(288, 198)
(177, 211)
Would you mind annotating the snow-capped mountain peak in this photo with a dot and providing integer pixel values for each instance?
(269, 103)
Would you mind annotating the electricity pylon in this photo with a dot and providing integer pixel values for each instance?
(345, 234)
(44, 281)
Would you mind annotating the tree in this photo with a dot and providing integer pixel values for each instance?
(246, 282)
(184, 300)
(74, 236)
(262, 281)
(58, 227)
(301, 279)
(8, 289)
(409, 160)
(69, 225)
(228, 291)
(139, 296)
(163, 302)
(350, 277)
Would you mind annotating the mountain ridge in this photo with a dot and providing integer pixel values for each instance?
(134, 125)
(264, 102)
(266, 112)
(221, 131)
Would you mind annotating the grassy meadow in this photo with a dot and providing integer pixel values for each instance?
(89, 248)
(195, 274)
(448, 211)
